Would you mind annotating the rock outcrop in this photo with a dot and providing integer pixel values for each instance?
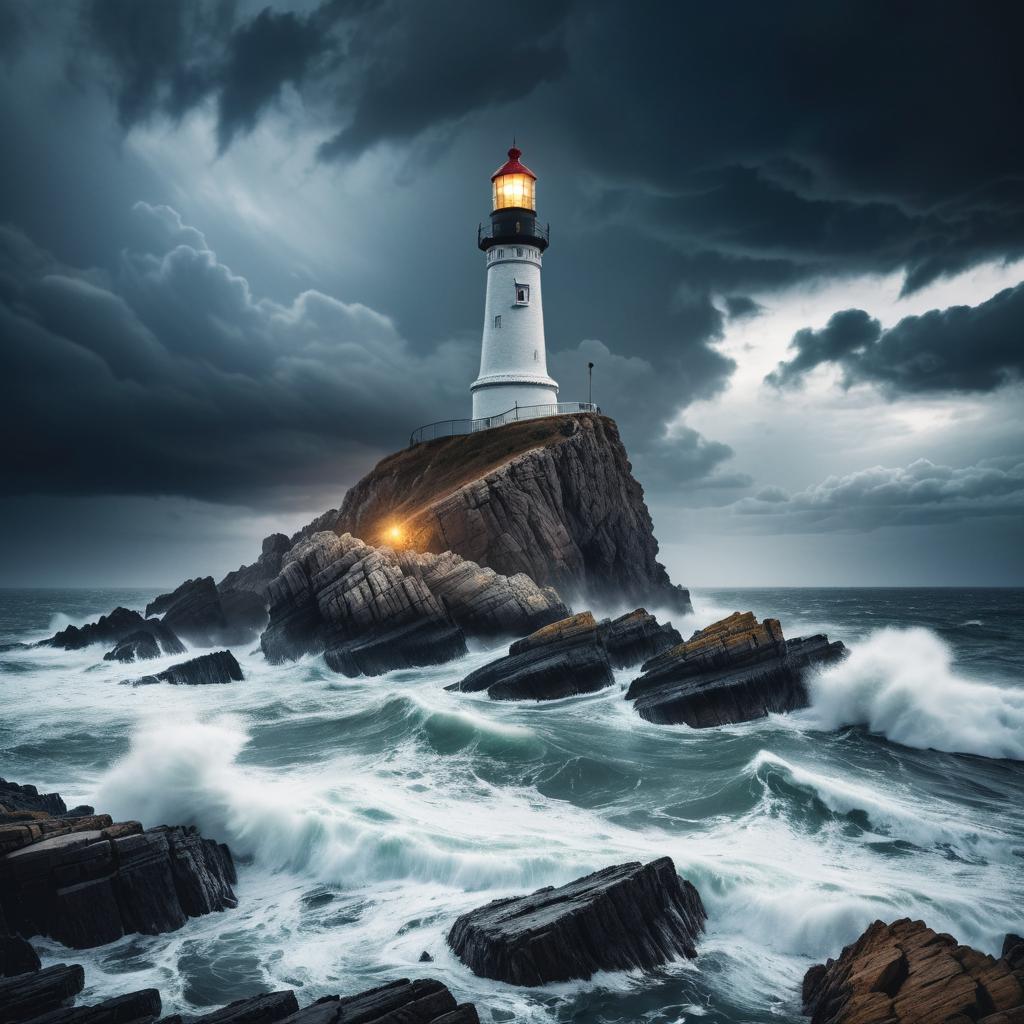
(371, 610)
(624, 917)
(25, 996)
(28, 996)
(572, 656)
(905, 973)
(208, 669)
(14, 797)
(735, 670)
(257, 576)
(553, 498)
(202, 615)
(87, 880)
(560, 660)
(16, 956)
(114, 628)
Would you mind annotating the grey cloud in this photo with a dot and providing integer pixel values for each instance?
(170, 377)
(958, 349)
(919, 493)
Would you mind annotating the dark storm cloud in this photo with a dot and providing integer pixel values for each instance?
(920, 493)
(168, 376)
(959, 349)
(766, 144)
(169, 57)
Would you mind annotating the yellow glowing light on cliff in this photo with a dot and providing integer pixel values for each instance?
(396, 534)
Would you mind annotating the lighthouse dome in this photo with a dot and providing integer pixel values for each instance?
(514, 185)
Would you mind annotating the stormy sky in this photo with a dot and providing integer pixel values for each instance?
(238, 265)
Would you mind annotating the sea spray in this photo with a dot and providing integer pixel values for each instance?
(902, 683)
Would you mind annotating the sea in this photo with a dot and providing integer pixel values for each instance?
(366, 814)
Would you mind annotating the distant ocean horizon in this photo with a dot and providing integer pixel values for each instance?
(367, 813)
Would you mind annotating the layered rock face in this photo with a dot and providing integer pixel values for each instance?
(371, 610)
(624, 917)
(553, 498)
(27, 996)
(735, 670)
(575, 655)
(208, 669)
(905, 973)
(257, 576)
(85, 880)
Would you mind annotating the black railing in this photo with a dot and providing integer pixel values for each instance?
(453, 428)
(537, 232)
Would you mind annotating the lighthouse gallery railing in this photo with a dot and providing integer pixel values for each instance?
(453, 428)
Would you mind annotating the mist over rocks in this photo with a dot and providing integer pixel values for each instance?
(621, 918)
(200, 614)
(114, 628)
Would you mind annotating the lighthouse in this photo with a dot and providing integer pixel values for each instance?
(513, 361)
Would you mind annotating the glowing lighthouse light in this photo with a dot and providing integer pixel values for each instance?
(513, 358)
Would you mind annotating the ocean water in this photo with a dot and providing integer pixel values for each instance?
(367, 814)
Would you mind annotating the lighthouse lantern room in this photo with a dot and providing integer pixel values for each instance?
(513, 361)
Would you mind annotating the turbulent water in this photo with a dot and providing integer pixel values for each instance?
(368, 813)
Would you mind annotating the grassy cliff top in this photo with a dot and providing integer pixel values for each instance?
(403, 484)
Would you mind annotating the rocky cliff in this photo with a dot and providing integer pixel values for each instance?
(553, 498)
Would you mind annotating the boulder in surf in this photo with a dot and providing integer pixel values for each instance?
(906, 973)
(735, 670)
(215, 668)
(624, 917)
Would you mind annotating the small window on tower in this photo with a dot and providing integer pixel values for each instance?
(497, 321)
(519, 252)
(522, 294)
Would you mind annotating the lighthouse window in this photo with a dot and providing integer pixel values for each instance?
(519, 252)
(497, 321)
(522, 294)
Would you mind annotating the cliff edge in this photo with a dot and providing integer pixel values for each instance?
(554, 498)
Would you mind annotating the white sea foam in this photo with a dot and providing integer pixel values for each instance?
(902, 683)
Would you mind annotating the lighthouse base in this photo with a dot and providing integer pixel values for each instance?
(492, 397)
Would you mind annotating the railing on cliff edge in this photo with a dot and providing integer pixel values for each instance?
(453, 428)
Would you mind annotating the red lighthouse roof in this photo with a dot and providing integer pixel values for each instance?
(513, 166)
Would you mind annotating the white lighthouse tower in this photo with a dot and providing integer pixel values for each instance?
(513, 362)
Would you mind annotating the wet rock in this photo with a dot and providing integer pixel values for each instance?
(193, 610)
(560, 660)
(572, 656)
(17, 956)
(267, 1008)
(424, 1001)
(635, 637)
(624, 917)
(133, 1008)
(1013, 951)
(27, 798)
(208, 669)
(85, 887)
(905, 973)
(428, 642)
(134, 647)
(26, 996)
(735, 670)
(553, 498)
(426, 958)
(373, 609)
(255, 578)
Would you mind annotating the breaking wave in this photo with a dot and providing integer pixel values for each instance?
(902, 684)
